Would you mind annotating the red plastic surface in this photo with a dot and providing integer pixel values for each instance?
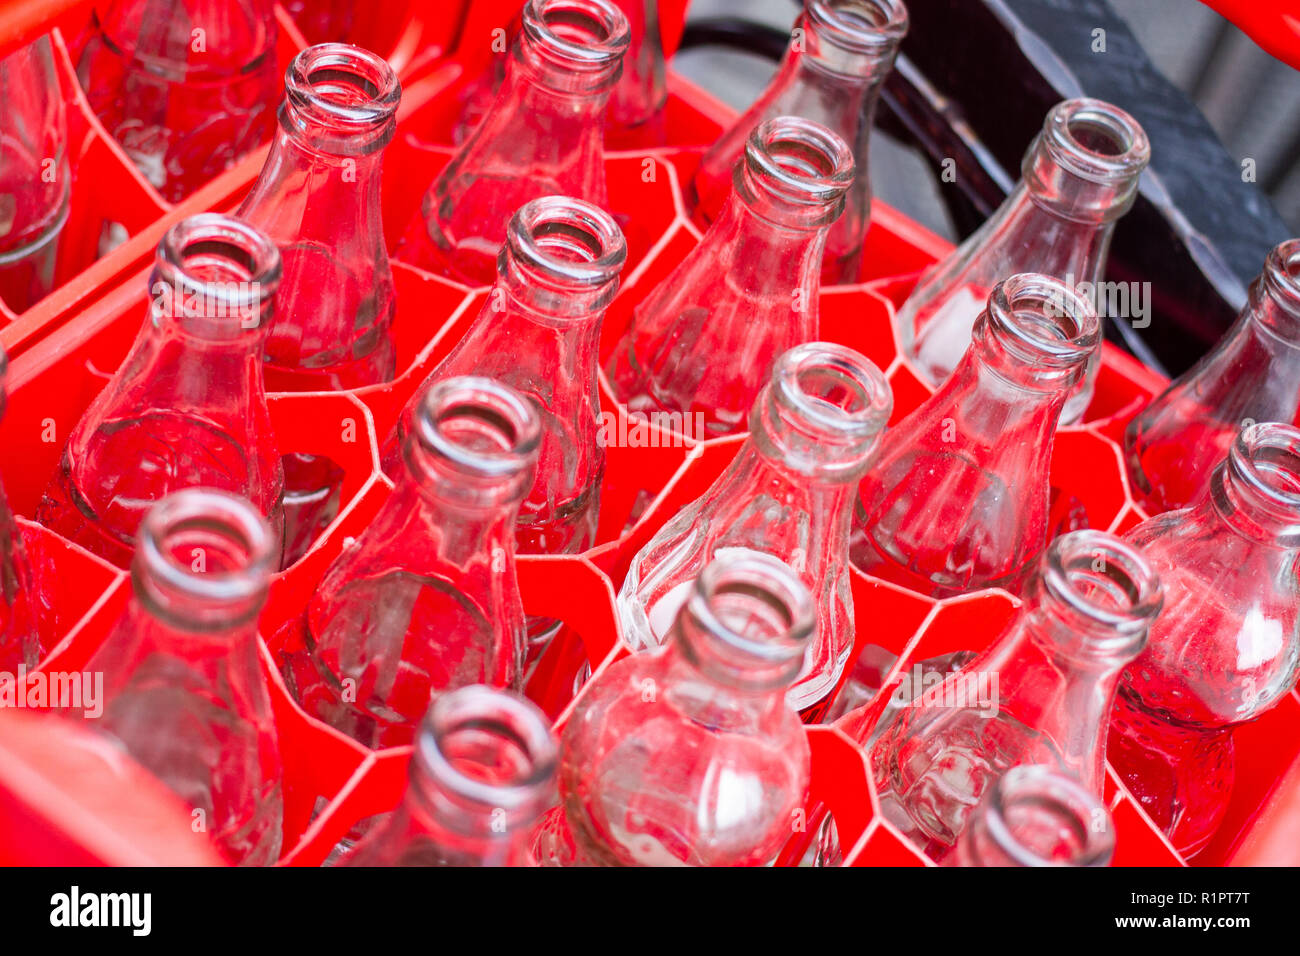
(61, 359)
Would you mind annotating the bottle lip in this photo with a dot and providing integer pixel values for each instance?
(565, 241)
(1281, 275)
(869, 399)
(1265, 460)
(203, 600)
(871, 27)
(1046, 789)
(585, 36)
(1096, 140)
(343, 86)
(506, 427)
(1043, 321)
(1111, 591)
(800, 161)
(506, 717)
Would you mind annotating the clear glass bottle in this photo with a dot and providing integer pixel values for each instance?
(187, 408)
(542, 136)
(35, 181)
(689, 754)
(184, 691)
(635, 115)
(19, 637)
(426, 600)
(839, 55)
(1227, 646)
(789, 492)
(704, 341)
(187, 87)
(1036, 816)
(1040, 694)
(958, 497)
(482, 772)
(1079, 176)
(318, 198)
(1252, 375)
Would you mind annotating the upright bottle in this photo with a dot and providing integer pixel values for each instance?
(1078, 177)
(1227, 646)
(187, 408)
(184, 691)
(35, 182)
(318, 198)
(538, 333)
(426, 599)
(1040, 694)
(958, 498)
(19, 637)
(704, 341)
(542, 136)
(789, 493)
(1036, 816)
(186, 87)
(840, 53)
(1252, 375)
(482, 772)
(635, 115)
(689, 754)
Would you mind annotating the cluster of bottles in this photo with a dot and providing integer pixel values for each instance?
(738, 613)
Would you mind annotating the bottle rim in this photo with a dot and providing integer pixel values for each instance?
(228, 267)
(568, 241)
(1265, 457)
(1044, 788)
(801, 161)
(1281, 274)
(505, 417)
(1043, 321)
(343, 85)
(799, 379)
(1096, 140)
(871, 27)
(601, 33)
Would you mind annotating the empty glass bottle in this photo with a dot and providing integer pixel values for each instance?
(541, 137)
(838, 58)
(1036, 816)
(689, 754)
(482, 772)
(1040, 694)
(184, 692)
(704, 341)
(958, 497)
(187, 408)
(1252, 375)
(318, 198)
(35, 183)
(187, 87)
(635, 115)
(1079, 176)
(1227, 646)
(789, 492)
(426, 599)
(19, 638)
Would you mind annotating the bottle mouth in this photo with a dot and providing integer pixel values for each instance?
(564, 246)
(1107, 589)
(1096, 140)
(1042, 321)
(825, 409)
(203, 560)
(871, 27)
(483, 758)
(1040, 817)
(577, 36)
(748, 621)
(801, 163)
(217, 275)
(343, 92)
(1281, 275)
(1263, 465)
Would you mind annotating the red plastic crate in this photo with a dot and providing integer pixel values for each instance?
(63, 350)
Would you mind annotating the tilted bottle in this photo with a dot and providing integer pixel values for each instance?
(482, 772)
(426, 599)
(1036, 816)
(789, 492)
(35, 181)
(1227, 646)
(1252, 375)
(839, 55)
(1079, 176)
(184, 691)
(689, 754)
(318, 198)
(542, 137)
(19, 635)
(187, 87)
(704, 341)
(958, 497)
(1041, 693)
(187, 408)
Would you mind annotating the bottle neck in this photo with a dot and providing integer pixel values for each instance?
(1273, 310)
(1255, 491)
(851, 43)
(571, 50)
